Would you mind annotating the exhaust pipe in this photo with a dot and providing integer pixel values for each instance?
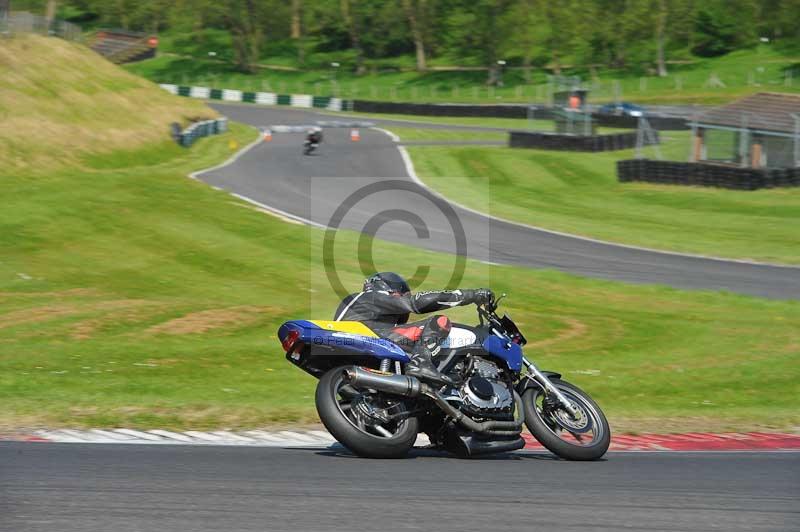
(493, 428)
(412, 387)
(394, 384)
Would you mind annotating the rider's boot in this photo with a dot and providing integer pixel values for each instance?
(421, 365)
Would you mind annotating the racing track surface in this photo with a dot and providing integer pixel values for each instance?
(276, 174)
(102, 488)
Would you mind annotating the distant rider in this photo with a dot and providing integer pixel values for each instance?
(384, 306)
(314, 135)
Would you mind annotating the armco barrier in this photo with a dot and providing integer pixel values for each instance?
(557, 141)
(665, 123)
(450, 109)
(706, 174)
(264, 98)
(424, 109)
(662, 123)
(188, 136)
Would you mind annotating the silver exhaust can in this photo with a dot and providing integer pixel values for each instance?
(404, 385)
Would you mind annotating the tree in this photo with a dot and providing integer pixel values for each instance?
(415, 12)
(724, 26)
(297, 29)
(526, 15)
(50, 13)
(660, 33)
(242, 18)
(478, 29)
(778, 20)
(553, 12)
(351, 22)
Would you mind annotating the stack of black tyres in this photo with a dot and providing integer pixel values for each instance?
(707, 175)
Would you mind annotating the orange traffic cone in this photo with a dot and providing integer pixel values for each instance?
(355, 136)
(267, 135)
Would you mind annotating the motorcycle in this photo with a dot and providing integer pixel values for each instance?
(368, 404)
(309, 146)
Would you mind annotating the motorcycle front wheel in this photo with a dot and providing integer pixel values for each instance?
(584, 438)
(354, 418)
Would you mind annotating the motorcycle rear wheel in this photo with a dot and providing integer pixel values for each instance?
(363, 436)
(551, 425)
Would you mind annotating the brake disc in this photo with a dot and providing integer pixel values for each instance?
(371, 414)
(563, 419)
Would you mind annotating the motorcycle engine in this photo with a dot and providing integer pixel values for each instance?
(485, 393)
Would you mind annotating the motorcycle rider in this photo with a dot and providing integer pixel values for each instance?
(314, 135)
(384, 306)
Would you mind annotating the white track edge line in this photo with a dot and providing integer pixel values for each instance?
(228, 161)
(271, 210)
(279, 213)
(413, 175)
(418, 445)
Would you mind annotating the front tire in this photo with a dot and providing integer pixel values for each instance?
(587, 438)
(339, 413)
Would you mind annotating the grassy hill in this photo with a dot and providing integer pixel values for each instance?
(132, 296)
(59, 102)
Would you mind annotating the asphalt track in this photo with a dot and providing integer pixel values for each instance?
(277, 175)
(102, 488)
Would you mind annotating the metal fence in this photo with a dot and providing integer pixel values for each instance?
(727, 148)
(17, 22)
(747, 139)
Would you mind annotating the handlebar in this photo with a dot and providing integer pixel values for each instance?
(492, 306)
(501, 326)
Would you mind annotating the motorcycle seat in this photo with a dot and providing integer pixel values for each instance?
(352, 327)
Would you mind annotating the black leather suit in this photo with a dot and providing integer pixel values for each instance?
(387, 314)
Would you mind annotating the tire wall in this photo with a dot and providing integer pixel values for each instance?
(706, 175)
(590, 143)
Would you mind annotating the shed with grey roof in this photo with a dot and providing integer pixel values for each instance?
(758, 131)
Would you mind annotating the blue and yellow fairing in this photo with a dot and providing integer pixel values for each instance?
(345, 337)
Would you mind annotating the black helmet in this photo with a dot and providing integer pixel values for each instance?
(386, 282)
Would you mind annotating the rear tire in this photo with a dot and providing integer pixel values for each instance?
(541, 422)
(358, 440)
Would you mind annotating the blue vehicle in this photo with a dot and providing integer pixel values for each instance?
(622, 109)
(368, 404)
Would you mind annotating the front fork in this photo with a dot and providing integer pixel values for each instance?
(548, 387)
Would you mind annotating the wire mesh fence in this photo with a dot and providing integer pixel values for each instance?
(19, 22)
(731, 148)
(751, 139)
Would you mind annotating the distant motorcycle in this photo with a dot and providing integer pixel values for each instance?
(366, 402)
(309, 146)
(313, 140)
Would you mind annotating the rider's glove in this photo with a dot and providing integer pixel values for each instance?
(481, 296)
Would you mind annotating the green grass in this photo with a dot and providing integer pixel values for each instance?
(58, 101)
(133, 296)
(742, 72)
(504, 123)
(580, 194)
(453, 135)
(130, 295)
